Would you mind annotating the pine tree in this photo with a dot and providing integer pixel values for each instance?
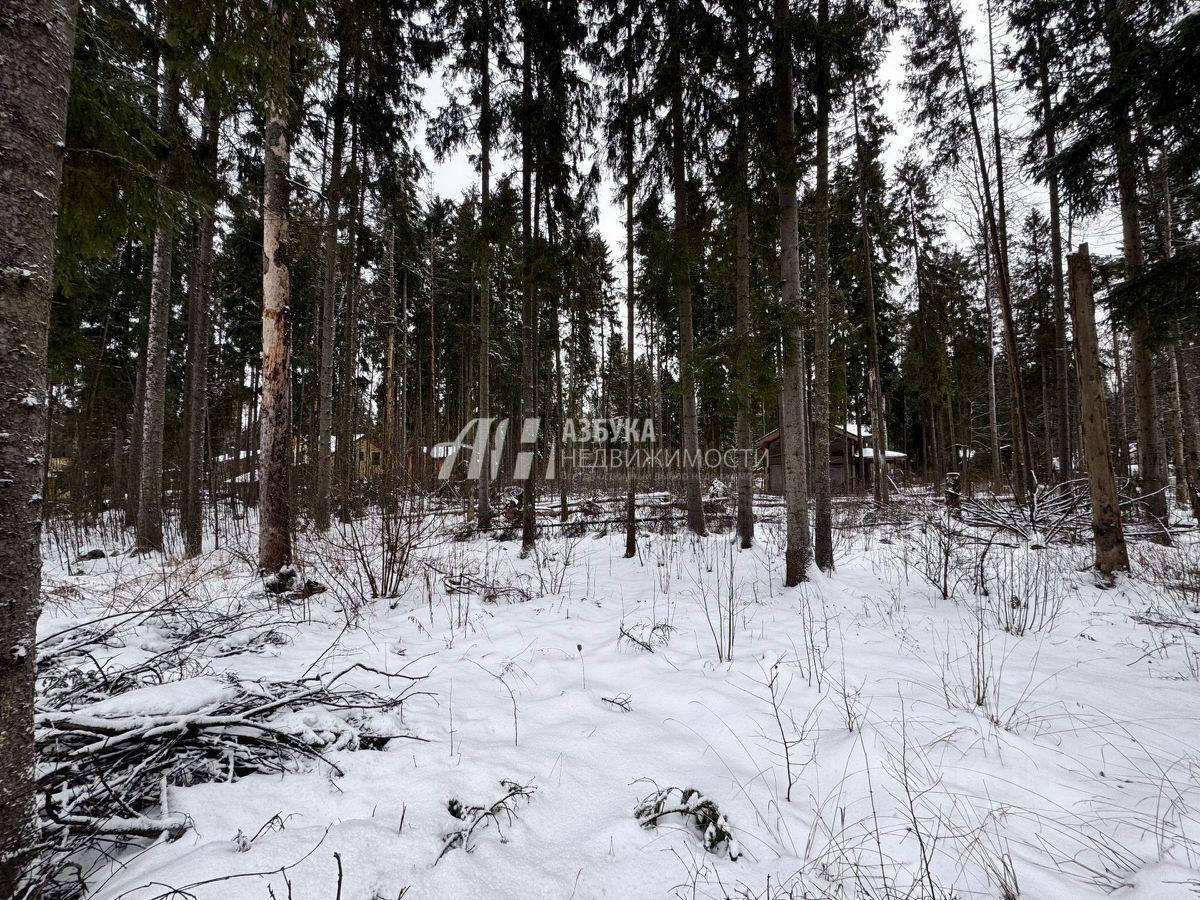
(793, 417)
(36, 45)
(154, 387)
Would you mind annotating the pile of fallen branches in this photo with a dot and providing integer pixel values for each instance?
(76, 666)
(128, 708)
(1054, 512)
(461, 581)
(1059, 513)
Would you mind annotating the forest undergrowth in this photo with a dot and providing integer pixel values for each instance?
(959, 710)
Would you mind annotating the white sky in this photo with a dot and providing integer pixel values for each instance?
(456, 175)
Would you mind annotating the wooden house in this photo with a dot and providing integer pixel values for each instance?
(850, 452)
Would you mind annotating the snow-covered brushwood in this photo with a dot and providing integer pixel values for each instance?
(701, 813)
(1053, 513)
(477, 818)
(179, 641)
(104, 766)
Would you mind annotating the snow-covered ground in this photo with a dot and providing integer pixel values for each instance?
(862, 735)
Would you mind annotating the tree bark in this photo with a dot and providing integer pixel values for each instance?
(329, 301)
(389, 372)
(275, 412)
(630, 486)
(1152, 474)
(528, 305)
(133, 467)
(874, 376)
(196, 414)
(1122, 409)
(149, 533)
(349, 392)
(741, 288)
(1062, 386)
(683, 281)
(1190, 469)
(823, 543)
(485, 257)
(1106, 512)
(1022, 459)
(793, 426)
(36, 43)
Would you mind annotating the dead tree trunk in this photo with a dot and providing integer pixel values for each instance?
(275, 411)
(36, 44)
(1106, 512)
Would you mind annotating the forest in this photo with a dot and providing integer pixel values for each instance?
(599, 448)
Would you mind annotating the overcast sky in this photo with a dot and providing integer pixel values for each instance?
(453, 177)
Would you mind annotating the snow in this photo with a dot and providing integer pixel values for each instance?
(173, 698)
(1072, 762)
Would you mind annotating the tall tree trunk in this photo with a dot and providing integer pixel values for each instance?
(823, 522)
(1106, 511)
(275, 409)
(683, 281)
(347, 461)
(741, 288)
(196, 413)
(874, 375)
(1122, 408)
(1022, 458)
(1190, 469)
(36, 43)
(389, 371)
(329, 302)
(1152, 474)
(133, 467)
(793, 426)
(1022, 446)
(431, 429)
(402, 399)
(993, 420)
(630, 487)
(1181, 474)
(149, 534)
(485, 258)
(1062, 351)
(1187, 448)
(528, 302)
